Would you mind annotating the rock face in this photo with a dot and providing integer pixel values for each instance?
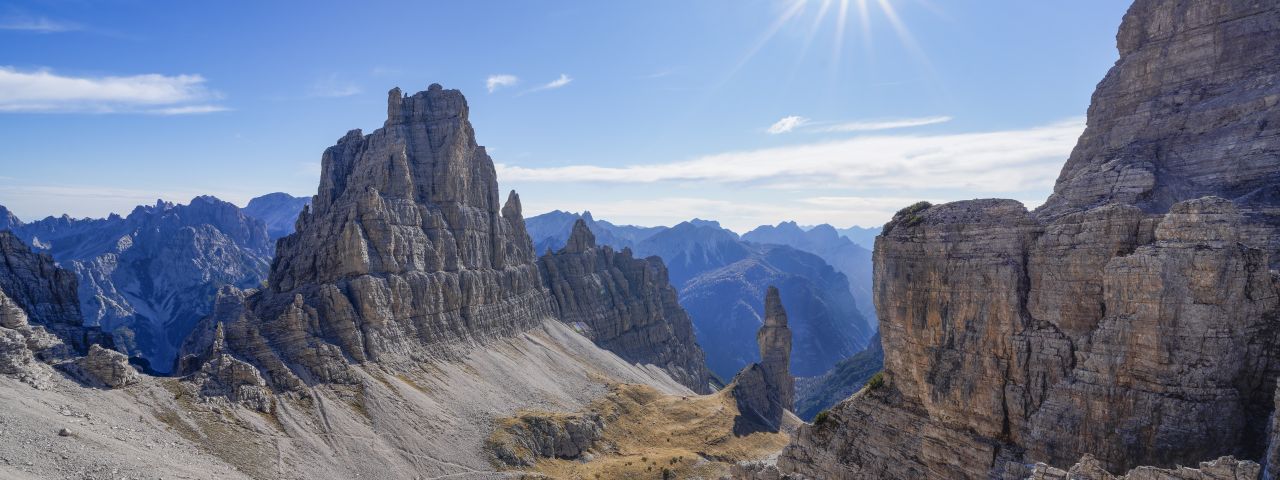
(279, 211)
(521, 441)
(765, 391)
(105, 368)
(625, 305)
(838, 251)
(150, 276)
(39, 317)
(1130, 318)
(404, 253)
(1225, 468)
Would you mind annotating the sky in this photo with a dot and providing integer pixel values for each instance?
(749, 112)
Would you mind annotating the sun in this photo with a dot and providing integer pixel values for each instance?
(818, 15)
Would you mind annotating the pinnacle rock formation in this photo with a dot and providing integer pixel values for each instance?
(774, 338)
(765, 391)
(404, 252)
(625, 305)
(1131, 318)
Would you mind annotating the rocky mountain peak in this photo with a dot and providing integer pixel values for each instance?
(580, 239)
(418, 194)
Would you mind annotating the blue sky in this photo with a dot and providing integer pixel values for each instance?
(745, 111)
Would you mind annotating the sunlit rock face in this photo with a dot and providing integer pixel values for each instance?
(405, 252)
(1131, 318)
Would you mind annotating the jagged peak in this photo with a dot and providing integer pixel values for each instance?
(434, 104)
(512, 208)
(580, 239)
(774, 314)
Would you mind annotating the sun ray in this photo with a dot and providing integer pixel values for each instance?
(839, 37)
(796, 7)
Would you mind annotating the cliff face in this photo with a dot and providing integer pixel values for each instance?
(40, 319)
(1132, 318)
(404, 253)
(151, 276)
(625, 305)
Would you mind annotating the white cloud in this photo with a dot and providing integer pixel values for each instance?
(334, 87)
(882, 125)
(998, 161)
(787, 124)
(495, 82)
(45, 91)
(557, 83)
(36, 25)
(189, 109)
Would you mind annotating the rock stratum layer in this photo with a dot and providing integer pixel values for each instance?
(625, 305)
(1132, 318)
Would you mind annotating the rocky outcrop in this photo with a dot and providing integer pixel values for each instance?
(1132, 318)
(279, 211)
(40, 319)
(765, 391)
(1225, 468)
(625, 305)
(405, 255)
(148, 278)
(522, 440)
(104, 368)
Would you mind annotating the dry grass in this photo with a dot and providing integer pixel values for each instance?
(647, 432)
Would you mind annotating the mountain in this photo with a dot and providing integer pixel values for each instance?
(692, 248)
(149, 277)
(815, 394)
(550, 231)
(841, 253)
(1127, 323)
(726, 308)
(625, 305)
(864, 237)
(279, 211)
(406, 316)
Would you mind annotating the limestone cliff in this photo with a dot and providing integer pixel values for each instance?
(626, 305)
(405, 252)
(1132, 318)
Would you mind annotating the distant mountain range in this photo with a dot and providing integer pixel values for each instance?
(722, 279)
(278, 210)
(148, 277)
(840, 252)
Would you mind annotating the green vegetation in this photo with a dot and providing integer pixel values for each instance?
(910, 216)
(821, 418)
(876, 381)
